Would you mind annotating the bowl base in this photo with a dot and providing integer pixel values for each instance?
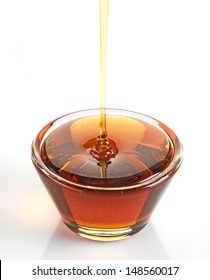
(101, 234)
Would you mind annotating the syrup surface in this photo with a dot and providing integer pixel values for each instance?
(141, 149)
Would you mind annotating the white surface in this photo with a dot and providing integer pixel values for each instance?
(158, 64)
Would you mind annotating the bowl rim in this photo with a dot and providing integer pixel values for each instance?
(148, 182)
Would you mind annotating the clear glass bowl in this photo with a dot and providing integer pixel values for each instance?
(121, 204)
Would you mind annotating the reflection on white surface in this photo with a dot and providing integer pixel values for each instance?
(34, 210)
(65, 244)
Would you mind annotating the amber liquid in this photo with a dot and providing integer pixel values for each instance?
(142, 151)
(103, 150)
(103, 11)
(104, 158)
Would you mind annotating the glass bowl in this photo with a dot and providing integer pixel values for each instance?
(120, 204)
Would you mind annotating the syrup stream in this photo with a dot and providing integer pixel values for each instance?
(103, 151)
(103, 11)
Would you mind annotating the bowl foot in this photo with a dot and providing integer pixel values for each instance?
(108, 234)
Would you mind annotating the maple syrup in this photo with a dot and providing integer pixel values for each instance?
(103, 150)
(106, 169)
(119, 204)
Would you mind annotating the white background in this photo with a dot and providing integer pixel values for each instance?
(158, 64)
